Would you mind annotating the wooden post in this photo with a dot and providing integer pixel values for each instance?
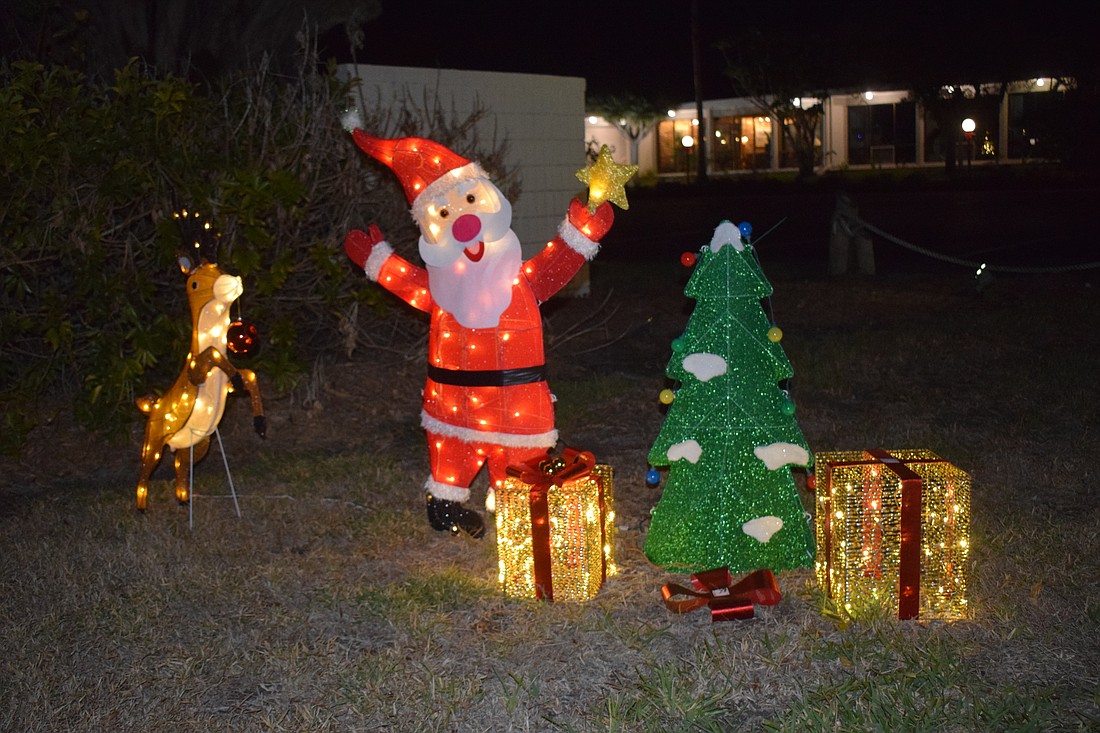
(849, 240)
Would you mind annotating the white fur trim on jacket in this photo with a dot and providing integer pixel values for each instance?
(510, 440)
(378, 254)
(575, 239)
(450, 492)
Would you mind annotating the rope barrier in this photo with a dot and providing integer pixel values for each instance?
(979, 266)
(282, 497)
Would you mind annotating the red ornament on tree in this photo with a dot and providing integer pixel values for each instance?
(687, 259)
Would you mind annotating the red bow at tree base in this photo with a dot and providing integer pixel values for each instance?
(727, 601)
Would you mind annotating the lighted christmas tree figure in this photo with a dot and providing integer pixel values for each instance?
(730, 435)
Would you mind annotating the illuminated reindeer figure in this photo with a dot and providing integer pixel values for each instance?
(187, 414)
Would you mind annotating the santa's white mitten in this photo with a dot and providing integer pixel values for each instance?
(358, 244)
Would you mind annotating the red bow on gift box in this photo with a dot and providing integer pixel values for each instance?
(726, 600)
(540, 474)
(544, 471)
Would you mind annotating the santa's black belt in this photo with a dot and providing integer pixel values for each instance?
(487, 377)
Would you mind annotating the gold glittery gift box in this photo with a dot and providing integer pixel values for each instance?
(555, 528)
(893, 530)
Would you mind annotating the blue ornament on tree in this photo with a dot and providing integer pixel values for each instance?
(652, 477)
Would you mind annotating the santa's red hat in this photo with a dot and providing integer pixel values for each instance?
(423, 166)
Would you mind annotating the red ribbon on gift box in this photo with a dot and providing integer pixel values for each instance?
(727, 600)
(541, 473)
(909, 558)
(909, 531)
(544, 471)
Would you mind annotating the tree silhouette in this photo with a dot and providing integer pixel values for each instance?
(780, 78)
(631, 114)
(190, 38)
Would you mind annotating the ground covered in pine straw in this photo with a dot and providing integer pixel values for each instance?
(329, 604)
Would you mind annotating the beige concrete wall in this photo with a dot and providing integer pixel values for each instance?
(541, 117)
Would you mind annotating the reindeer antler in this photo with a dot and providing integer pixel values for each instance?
(198, 237)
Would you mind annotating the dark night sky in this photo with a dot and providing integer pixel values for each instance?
(616, 46)
(619, 44)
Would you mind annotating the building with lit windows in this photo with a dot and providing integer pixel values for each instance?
(542, 118)
(876, 128)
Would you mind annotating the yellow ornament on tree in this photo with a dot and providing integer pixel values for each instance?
(606, 180)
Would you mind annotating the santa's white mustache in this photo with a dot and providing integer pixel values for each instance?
(469, 238)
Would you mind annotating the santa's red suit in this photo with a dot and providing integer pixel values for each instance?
(486, 399)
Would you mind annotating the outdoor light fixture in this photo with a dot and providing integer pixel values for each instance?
(968, 127)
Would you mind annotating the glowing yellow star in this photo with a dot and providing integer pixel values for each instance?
(606, 180)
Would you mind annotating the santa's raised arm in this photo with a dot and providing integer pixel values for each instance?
(486, 400)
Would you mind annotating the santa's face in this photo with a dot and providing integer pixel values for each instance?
(471, 253)
(463, 222)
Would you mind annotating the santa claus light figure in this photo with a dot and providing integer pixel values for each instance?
(486, 399)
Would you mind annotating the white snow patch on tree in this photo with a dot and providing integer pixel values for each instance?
(777, 455)
(761, 529)
(704, 366)
(726, 233)
(689, 449)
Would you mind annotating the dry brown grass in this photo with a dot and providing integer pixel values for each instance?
(329, 605)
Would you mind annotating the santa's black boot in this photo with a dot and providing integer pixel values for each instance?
(446, 515)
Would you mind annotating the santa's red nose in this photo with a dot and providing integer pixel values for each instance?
(466, 227)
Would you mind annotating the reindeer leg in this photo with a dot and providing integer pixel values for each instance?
(239, 379)
(183, 459)
(148, 465)
(248, 379)
(150, 457)
(207, 361)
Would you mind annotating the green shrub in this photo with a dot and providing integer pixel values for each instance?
(92, 309)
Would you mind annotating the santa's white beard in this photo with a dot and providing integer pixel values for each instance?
(477, 293)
